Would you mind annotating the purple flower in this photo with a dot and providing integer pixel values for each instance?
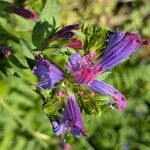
(120, 46)
(23, 12)
(84, 70)
(47, 73)
(67, 31)
(71, 121)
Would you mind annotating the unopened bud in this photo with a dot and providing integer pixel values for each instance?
(23, 12)
(5, 51)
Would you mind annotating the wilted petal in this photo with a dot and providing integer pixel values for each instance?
(109, 90)
(47, 73)
(23, 12)
(67, 32)
(120, 47)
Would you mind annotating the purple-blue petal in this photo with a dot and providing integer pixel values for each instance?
(113, 39)
(109, 90)
(72, 112)
(58, 129)
(71, 121)
(120, 47)
(47, 73)
(73, 63)
(76, 132)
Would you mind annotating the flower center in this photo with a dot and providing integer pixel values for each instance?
(87, 69)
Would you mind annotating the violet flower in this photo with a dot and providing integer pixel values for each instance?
(47, 73)
(84, 70)
(67, 31)
(71, 121)
(23, 12)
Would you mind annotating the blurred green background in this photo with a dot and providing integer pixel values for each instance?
(23, 125)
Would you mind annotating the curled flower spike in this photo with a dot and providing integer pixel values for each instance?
(71, 121)
(120, 46)
(67, 31)
(47, 73)
(23, 12)
(84, 70)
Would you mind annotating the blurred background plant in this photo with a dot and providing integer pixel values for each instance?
(24, 126)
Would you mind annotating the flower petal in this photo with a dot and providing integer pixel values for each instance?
(72, 112)
(120, 47)
(47, 73)
(73, 62)
(58, 129)
(71, 120)
(109, 90)
(76, 132)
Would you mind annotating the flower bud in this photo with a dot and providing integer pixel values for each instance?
(5, 51)
(23, 12)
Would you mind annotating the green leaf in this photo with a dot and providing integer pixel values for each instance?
(49, 12)
(23, 23)
(40, 33)
(103, 76)
(46, 25)
(3, 7)
(16, 62)
(26, 48)
(80, 35)
(95, 38)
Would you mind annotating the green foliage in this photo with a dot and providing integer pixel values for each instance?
(93, 37)
(26, 48)
(45, 26)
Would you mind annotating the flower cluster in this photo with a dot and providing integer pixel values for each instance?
(84, 70)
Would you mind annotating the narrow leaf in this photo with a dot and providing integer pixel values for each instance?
(26, 48)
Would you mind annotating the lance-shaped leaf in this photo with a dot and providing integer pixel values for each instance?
(45, 26)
